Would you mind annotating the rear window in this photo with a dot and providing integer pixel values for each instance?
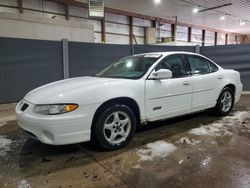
(212, 66)
(200, 65)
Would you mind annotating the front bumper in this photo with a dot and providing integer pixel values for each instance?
(68, 128)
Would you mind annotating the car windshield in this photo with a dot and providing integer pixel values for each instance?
(132, 67)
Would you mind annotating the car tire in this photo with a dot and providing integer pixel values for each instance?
(225, 102)
(114, 127)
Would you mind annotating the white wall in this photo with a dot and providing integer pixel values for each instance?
(139, 29)
(117, 29)
(221, 38)
(116, 26)
(32, 27)
(209, 38)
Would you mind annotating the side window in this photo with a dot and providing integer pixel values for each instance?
(198, 65)
(176, 64)
(213, 67)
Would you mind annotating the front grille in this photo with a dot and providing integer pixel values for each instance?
(24, 107)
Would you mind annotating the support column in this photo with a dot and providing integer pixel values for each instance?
(189, 34)
(65, 47)
(203, 37)
(131, 32)
(103, 30)
(67, 12)
(173, 32)
(215, 38)
(173, 29)
(20, 6)
(158, 31)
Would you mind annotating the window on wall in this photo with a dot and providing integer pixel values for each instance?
(163, 31)
(79, 14)
(231, 39)
(209, 38)
(221, 39)
(240, 39)
(117, 29)
(196, 36)
(181, 33)
(139, 26)
(97, 30)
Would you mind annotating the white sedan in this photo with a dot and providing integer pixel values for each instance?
(107, 108)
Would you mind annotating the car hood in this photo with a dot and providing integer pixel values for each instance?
(60, 89)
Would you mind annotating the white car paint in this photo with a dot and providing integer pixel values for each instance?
(174, 97)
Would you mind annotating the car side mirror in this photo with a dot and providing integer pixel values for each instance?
(161, 74)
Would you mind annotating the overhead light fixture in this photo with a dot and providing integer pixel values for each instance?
(222, 18)
(195, 10)
(157, 1)
(242, 23)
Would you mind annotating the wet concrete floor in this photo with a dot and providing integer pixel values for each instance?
(199, 150)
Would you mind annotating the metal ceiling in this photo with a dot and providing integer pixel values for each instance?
(234, 14)
(240, 9)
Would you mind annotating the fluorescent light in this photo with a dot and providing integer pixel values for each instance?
(195, 10)
(242, 23)
(222, 18)
(157, 1)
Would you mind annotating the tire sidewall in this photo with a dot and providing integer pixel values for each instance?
(218, 106)
(98, 127)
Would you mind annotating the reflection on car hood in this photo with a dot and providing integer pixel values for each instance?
(60, 87)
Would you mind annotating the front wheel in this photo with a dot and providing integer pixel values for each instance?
(115, 127)
(225, 102)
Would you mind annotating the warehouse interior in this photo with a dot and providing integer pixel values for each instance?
(43, 41)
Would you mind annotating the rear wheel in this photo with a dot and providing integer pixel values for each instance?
(225, 102)
(114, 127)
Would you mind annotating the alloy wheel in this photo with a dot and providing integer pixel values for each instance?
(117, 127)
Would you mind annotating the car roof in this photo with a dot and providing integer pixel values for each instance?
(168, 53)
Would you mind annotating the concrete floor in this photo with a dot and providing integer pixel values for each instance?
(198, 150)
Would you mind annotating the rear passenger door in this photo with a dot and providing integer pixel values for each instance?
(205, 82)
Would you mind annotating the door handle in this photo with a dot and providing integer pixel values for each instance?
(220, 77)
(186, 83)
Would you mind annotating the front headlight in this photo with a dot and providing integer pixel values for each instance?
(54, 109)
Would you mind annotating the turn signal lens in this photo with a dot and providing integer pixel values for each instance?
(70, 107)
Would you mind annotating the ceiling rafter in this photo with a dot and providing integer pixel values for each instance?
(215, 7)
(137, 15)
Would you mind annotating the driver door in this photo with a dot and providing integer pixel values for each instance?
(169, 97)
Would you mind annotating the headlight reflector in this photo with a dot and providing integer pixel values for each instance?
(54, 109)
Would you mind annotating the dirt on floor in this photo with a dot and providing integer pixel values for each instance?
(198, 150)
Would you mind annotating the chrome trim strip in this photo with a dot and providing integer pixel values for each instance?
(201, 90)
(177, 94)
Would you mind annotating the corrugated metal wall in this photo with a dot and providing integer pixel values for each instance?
(88, 58)
(232, 57)
(26, 64)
